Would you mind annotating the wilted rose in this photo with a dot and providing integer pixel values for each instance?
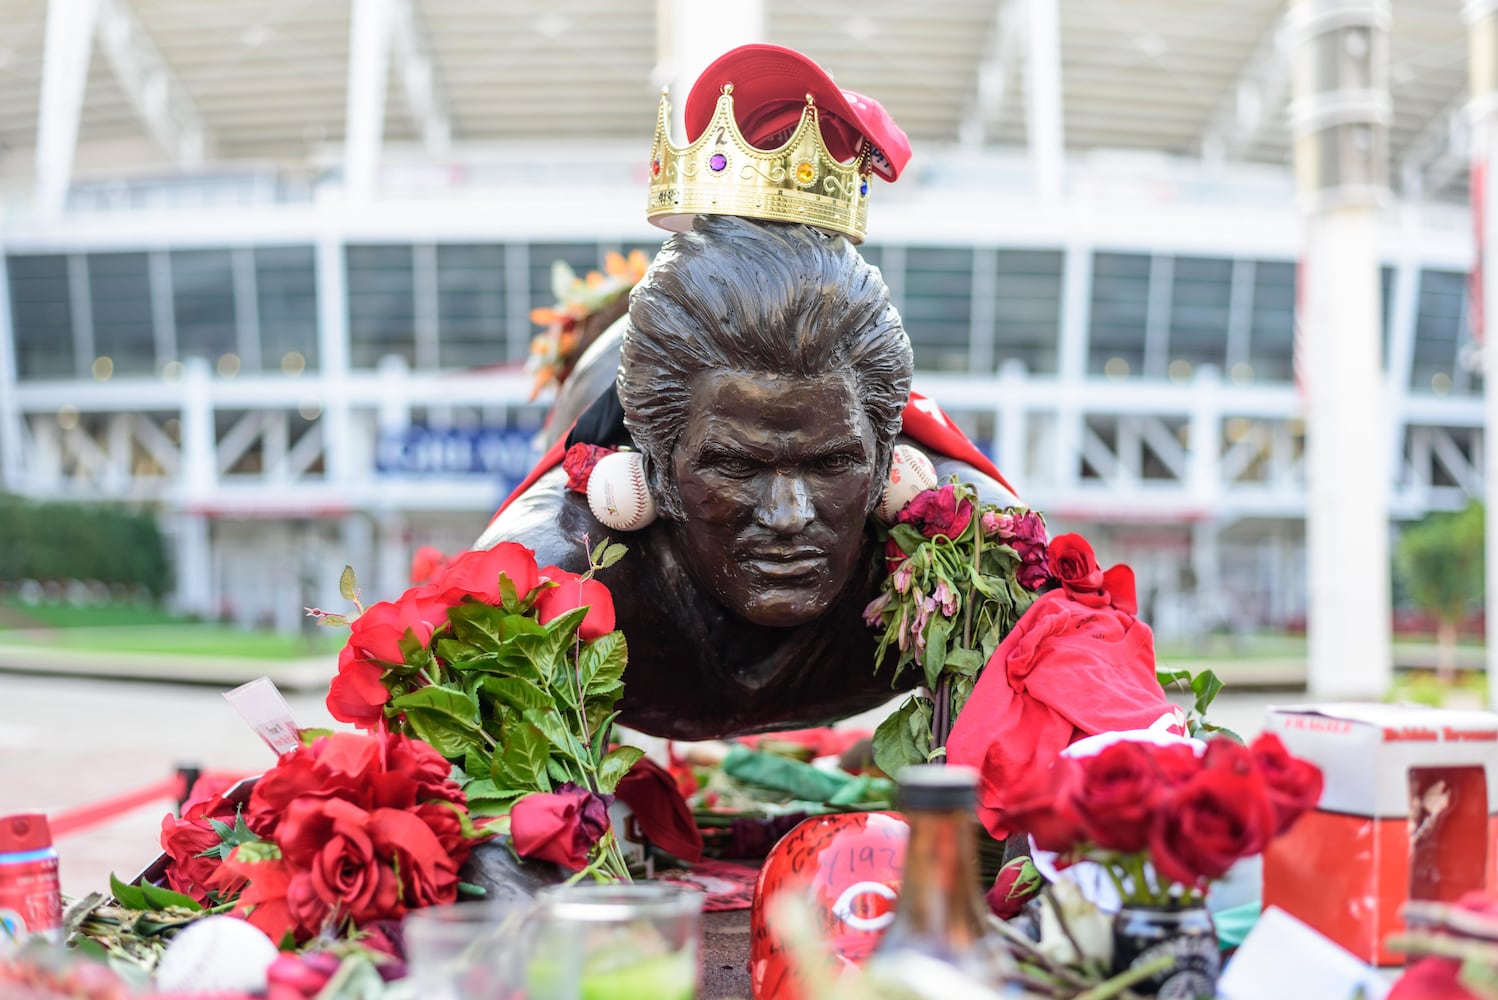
(561, 826)
(937, 512)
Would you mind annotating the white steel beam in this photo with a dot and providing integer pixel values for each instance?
(11, 466)
(1253, 103)
(1001, 56)
(155, 93)
(370, 29)
(1439, 153)
(1044, 124)
(413, 58)
(69, 41)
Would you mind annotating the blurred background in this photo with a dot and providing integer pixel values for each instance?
(269, 269)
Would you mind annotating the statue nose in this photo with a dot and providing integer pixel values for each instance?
(787, 506)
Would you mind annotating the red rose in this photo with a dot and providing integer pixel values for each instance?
(428, 874)
(579, 461)
(330, 840)
(427, 564)
(1178, 762)
(263, 901)
(422, 763)
(341, 765)
(1294, 785)
(560, 826)
(1041, 804)
(300, 977)
(1214, 819)
(477, 573)
(357, 694)
(937, 512)
(1015, 884)
(572, 591)
(1118, 796)
(1072, 562)
(184, 841)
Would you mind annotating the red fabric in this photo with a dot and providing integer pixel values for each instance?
(924, 422)
(662, 813)
(1431, 979)
(1066, 671)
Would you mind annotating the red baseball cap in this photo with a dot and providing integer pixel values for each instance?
(770, 84)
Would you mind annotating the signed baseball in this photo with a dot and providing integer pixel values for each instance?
(617, 494)
(216, 953)
(910, 472)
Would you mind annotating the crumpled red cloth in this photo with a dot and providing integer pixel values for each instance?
(663, 815)
(1076, 664)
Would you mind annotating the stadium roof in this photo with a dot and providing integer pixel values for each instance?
(268, 80)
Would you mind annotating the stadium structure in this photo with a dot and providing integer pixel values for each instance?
(269, 264)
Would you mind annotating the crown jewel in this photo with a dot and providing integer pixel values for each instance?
(721, 173)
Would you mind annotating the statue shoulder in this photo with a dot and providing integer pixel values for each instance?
(549, 519)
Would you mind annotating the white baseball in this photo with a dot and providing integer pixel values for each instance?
(617, 494)
(910, 472)
(220, 953)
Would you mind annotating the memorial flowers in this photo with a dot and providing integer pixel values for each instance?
(512, 672)
(1164, 821)
(961, 573)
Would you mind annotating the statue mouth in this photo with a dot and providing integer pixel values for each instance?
(785, 563)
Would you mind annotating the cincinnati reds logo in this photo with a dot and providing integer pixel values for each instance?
(866, 906)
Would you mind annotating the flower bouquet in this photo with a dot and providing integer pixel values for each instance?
(512, 672)
(961, 573)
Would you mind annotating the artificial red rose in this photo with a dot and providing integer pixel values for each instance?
(357, 694)
(340, 765)
(1214, 819)
(476, 573)
(1294, 785)
(579, 461)
(428, 873)
(1016, 883)
(937, 512)
(263, 902)
(442, 819)
(572, 591)
(1042, 804)
(207, 798)
(421, 762)
(561, 826)
(1073, 563)
(330, 840)
(1117, 797)
(427, 564)
(184, 841)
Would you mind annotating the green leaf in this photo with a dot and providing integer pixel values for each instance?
(559, 772)
(477, 763)
(563, 740)
(601, 733)
(516, 692)
(485, 790)
(451, 737)
(1205, 686)
(129, 896)
(1168, 677)
(965, 662)
(597, 553)
(334, 621)
(935, 656)
(522, 762)
(348, 584)
(158, 898)
(612, 554)
(898, 739)
(442, 700)
(615, 765)
(508, 598)
(602, 662)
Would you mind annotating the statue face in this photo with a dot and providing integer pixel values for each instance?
(775, 474)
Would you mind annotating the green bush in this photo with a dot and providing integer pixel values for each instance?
(58, 540)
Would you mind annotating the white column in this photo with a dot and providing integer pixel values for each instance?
(1482, 21)
(333, 357)
(199, 477)
(1071, 363)
(1044, 125)
(69, 41)
(368, 80)
(1341, 104)
(692, 34)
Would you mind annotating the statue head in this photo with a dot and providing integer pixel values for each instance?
(763, 377)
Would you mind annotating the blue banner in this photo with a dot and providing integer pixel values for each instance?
(504, 454)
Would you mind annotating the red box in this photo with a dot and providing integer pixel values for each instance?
(1408, 812)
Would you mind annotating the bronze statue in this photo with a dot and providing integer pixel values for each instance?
(763, 374)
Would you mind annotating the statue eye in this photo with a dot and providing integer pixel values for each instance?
(841, 462)
(733, 465)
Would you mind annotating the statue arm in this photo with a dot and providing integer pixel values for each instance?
(549, 519)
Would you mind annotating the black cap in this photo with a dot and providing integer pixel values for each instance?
(937, 786)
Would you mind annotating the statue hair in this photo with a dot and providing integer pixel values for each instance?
(741, 295)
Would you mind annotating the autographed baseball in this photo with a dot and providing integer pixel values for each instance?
(910, 472)
(617, 494)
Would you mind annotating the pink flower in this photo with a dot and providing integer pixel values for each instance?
(873, 615)
(560, 826)
(996, 524)
(945, 596)
(902, 577)
(937, 512)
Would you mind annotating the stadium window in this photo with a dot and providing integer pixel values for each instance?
(1271, 340)
(381, 304)
(938, 306)
(41, 316)
(203, 304)
(286, 299)
(471, 324)
(119, 286)
(1027, 308)
(1439, 315)
(1119, 313)
(1200, 298)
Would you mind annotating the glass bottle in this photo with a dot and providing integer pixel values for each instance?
(941, 923)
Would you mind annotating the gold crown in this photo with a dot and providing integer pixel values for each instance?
(722, 174)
